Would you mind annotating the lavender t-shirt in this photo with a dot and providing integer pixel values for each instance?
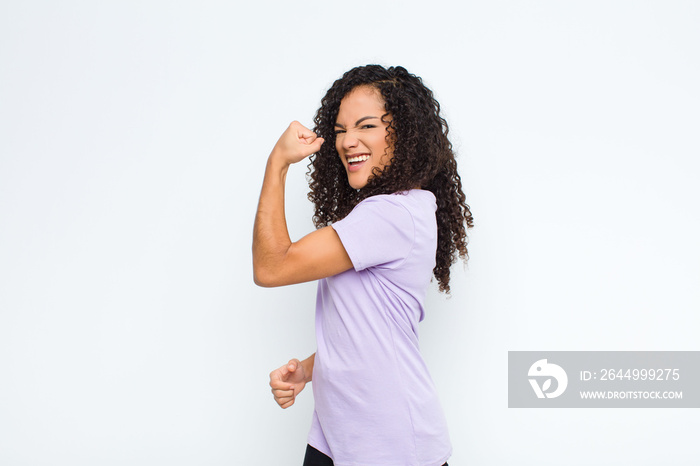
(375, 403)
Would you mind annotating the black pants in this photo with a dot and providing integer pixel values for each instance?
(316, 458)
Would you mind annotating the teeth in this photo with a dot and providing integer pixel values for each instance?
(359, 158)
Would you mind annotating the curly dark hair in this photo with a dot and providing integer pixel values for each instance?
(422, 156)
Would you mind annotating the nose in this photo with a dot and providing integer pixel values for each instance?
(349, 141)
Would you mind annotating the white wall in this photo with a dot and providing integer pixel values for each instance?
(133, 138)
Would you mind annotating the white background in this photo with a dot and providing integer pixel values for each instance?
(133, 138)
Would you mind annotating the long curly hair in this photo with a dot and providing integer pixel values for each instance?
(422, 156)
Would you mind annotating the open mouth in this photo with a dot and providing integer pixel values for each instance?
(356, 161)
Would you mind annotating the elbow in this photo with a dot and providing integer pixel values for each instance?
(259, 278)
(264, 277)
(269, 270)
(263, 283)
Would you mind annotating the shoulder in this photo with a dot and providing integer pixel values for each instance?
(389, 213)
(402, 210)
(414, 200)
(382, 230)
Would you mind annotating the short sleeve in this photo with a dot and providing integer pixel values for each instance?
(378, 232)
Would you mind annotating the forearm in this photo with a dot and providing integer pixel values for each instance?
(270, 236)
(308, 365)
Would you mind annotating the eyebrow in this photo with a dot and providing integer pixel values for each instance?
(358, 121)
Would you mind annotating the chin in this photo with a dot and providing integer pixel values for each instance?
(357, 184)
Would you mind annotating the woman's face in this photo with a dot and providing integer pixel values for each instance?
(361, 134)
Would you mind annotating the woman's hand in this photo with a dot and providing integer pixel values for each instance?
(287, 382)
(295, 144)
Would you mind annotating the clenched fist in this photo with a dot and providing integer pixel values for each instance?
(295, 144)
(287, 382)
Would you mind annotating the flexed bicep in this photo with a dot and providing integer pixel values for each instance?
(317, 255)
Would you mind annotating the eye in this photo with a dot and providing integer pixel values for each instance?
(368, 126)
(338, 131)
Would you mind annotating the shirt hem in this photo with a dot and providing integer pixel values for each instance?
(317, 446)
(439, 462)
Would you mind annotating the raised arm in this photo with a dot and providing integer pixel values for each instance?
(277, 260)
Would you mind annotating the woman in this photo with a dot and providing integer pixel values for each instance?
(390, 214)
